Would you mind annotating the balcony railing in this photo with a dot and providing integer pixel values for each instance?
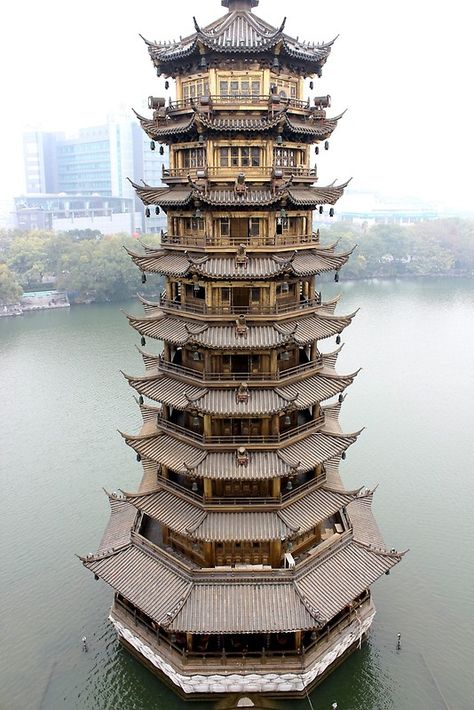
(256, 241)
(314, 424)
(239, 376)
(243, 99)
(231, 309)
(257, 171)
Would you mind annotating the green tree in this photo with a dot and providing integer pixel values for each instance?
(10, 289)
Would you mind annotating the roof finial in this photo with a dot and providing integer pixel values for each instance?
(240, 5)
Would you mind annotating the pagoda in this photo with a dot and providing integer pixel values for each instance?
(242, 564)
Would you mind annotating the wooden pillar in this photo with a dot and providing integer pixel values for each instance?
(166, 352)
(275, 553)
(207, 488)
(275, 425)
(189, 642)
(274, 362)
(169, 290)
(209, 554)
(207, 425)
(276, 487)
(166, 535)
(314, 350)
(298, 639)
(164, 471)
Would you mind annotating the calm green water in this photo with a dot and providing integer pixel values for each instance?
(62, 399)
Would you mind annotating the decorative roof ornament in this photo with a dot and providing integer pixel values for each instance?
(239, 5)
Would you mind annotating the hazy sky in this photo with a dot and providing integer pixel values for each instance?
(404, 70)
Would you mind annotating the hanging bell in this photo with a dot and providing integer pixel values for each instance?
(194, 486)
(143, 341)
(340, 399)
(338, 340)
(343, 455)
(320, 209)
(152, 145)
(316, 150)
(162, 150)
(289, 485)
(139, 458)
(157, 210)
(326, 145)
(331, 212)
(147, 212)
(336, 277)
(143, 278)
(167, 84)
(311, 85)
(140, 400)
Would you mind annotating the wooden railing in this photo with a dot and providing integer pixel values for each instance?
(251, 171)
(245, 99)
(231, 309)
(239, 376)
(314, 424)
(275, 240)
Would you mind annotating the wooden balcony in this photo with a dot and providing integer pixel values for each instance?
(233, 377)
(236, 100)
(249, 439)
(298, 172)
(231, 310)
(257, 242)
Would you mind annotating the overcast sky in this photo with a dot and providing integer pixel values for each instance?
(404, 69)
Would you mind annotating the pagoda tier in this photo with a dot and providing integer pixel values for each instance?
(309, 197)
(241, 267)
(241, 564)
(240, 35)
(311, 126)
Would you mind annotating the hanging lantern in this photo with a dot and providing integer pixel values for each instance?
(143, 341)
(143, 278)
(331, 212)
(287, 420)
(276, 63)
(167, 84)
(152, 145)
(203, 62)
(147, 212)
(326, 145)
(279, 139)
(198, 213)
(162, 150)
(157, 210)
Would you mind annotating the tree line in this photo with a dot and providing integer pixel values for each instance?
(93, 267)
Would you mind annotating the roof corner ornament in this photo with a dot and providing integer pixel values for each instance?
(241, 258)
(240, 185)
(242, 456)
(241, 326)
(196, 26)
(242, 395)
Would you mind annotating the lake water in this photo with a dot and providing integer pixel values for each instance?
(62, 399)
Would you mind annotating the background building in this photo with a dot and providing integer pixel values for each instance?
(95, 162)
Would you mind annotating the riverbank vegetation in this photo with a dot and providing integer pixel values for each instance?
(94, 268)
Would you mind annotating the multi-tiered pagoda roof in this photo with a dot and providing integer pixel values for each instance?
(242, 563)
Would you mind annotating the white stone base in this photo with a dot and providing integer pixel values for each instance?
(251, 682)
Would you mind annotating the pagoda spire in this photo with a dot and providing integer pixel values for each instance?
(240, 5)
